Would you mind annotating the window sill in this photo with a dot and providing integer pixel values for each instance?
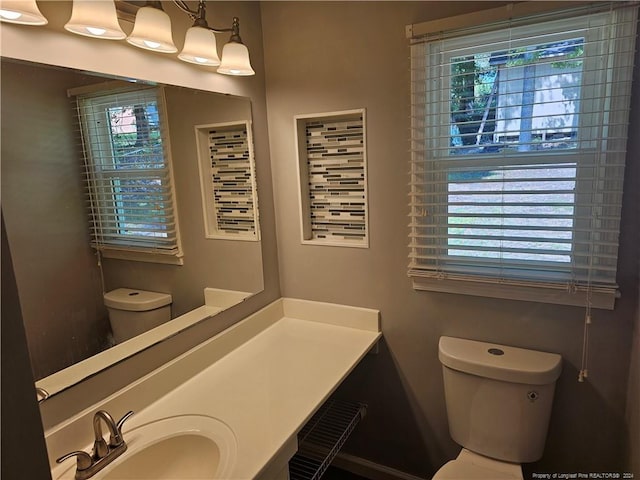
(602, 298)
(143, 256)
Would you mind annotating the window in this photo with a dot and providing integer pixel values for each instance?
(518, 150)
(128, 175)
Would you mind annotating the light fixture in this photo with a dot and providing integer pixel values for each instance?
(200, 42)
(24, 12)
(201, 48)
(95, 19)
(152, 29)
(235, 55)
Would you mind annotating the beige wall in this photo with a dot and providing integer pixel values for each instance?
(633, 400)
(321, 57)
(632, 205)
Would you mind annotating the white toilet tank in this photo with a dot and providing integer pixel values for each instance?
(132, 312)
(498, 397)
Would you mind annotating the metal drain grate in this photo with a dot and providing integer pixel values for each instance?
(322, 438)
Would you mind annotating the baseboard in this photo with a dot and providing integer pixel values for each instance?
(369, 469)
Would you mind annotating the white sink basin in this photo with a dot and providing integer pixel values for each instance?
(182, 447)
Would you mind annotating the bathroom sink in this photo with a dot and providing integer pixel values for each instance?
(184, 447)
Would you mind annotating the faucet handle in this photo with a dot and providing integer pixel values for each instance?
(83, 461)
(41, 394)
(118, 439)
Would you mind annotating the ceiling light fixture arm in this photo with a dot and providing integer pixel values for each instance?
(192, 13)
(199, 18)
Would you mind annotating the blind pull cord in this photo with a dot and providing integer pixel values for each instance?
(584, 371)
(99, 258)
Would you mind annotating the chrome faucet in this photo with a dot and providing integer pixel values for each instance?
(103, 453)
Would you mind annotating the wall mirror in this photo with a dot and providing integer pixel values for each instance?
(44, 204)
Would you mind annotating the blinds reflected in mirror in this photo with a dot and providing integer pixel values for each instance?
(127, 169)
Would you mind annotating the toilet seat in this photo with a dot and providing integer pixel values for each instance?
(470, 465)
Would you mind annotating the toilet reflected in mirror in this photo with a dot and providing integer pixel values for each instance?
(132, 312)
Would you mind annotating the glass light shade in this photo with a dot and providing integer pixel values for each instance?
(95, 19)
(200, 47)
(152, 31)
(23, 12)
(235, 60)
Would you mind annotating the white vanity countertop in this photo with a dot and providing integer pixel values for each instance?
(268, 386)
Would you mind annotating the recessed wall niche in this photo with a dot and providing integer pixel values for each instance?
(227, 177)
(332, 173)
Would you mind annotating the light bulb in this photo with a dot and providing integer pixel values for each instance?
(96, 31)
(10, 15)
(151, 44)
(23, 12)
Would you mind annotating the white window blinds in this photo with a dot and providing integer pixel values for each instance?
(128, 175)
(518, 149)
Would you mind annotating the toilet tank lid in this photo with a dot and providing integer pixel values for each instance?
(134, 300)
(500, 362)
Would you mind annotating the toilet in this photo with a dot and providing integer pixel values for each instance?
(132, 312)
(498, 401)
